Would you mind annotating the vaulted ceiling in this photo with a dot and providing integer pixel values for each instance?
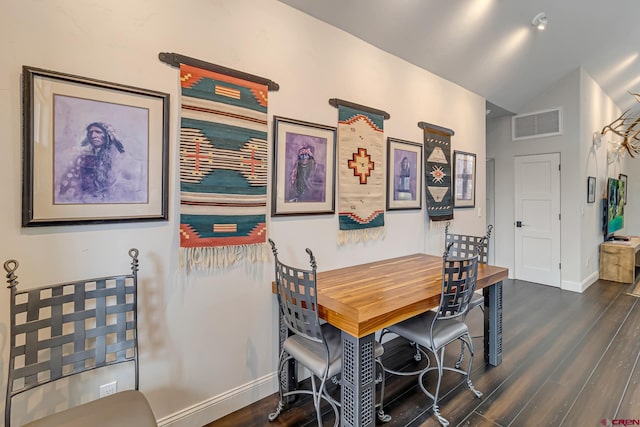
(491, 47)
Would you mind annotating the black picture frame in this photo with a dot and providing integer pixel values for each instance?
(304, 168)
(404, 189)
(94, 152)
(591, 189)
(464, 179)
(622, 177)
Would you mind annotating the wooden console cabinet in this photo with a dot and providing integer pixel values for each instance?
(620, 260)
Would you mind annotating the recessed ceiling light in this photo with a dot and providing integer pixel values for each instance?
(540, 21)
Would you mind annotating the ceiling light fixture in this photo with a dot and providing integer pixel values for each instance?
(540, 21)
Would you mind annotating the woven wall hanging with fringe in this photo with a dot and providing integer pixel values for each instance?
(223, 169)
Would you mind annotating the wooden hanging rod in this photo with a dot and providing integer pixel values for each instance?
(336, 102)
(436, 128)
(175, 59)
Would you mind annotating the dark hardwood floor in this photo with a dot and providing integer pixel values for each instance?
(569, 360)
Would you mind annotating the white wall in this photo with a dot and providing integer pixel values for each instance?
(564, 94)
(597, 111)
(585, 109)
(208, 341)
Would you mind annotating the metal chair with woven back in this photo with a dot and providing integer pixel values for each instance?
(315, 345)
(58, 331)
(433, 330)
(464, 246)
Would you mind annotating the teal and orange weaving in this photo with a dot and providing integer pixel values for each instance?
(223, 169)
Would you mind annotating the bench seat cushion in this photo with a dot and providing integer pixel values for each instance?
(125, 408)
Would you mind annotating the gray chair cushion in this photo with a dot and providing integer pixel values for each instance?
(125, 408)
(311, 354)
(417, 329)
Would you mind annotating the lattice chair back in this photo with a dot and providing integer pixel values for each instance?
(458, 285)
(65, 329)
(464, 246)
(297, 297)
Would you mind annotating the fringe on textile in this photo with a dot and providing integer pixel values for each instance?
(439, 224)
(209, 258)
(362, 235)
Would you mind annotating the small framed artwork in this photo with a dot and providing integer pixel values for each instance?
(464, 173)
(404, 174)
(94, 152)
(591, 189)
(304, 156)
(622, 177)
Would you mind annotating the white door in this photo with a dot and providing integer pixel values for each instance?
(537, 216)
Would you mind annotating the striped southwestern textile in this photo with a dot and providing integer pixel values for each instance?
(437, 147)
(362, 175)
(223, 169)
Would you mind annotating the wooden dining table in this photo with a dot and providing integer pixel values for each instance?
(365, 298)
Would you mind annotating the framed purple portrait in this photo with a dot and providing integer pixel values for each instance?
(94, 151)
(303, 168)
(404, 179)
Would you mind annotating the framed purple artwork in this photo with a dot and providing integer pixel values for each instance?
(94, 151)
(404, 179)
(303, 168)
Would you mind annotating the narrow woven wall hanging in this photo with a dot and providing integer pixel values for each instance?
(437, 149)
(223, 169)
(361, 175)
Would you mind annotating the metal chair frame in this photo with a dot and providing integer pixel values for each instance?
(462, 245)
(458, 286)
(56, 332)
(297, 300)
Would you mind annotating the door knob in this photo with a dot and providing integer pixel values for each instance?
(519, 224)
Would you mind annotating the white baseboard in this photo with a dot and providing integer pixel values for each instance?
(222, 404)
(581, 286)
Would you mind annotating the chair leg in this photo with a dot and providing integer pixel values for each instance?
(316, 399)
(324, 394)
(439, 360)
(418, 356)
(281, 403)
(436, 409)
(385, 418)
(320, 393)
(469, 383)
(461, 358)
(317, 393)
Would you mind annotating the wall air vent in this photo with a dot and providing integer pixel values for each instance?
(537, 125)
